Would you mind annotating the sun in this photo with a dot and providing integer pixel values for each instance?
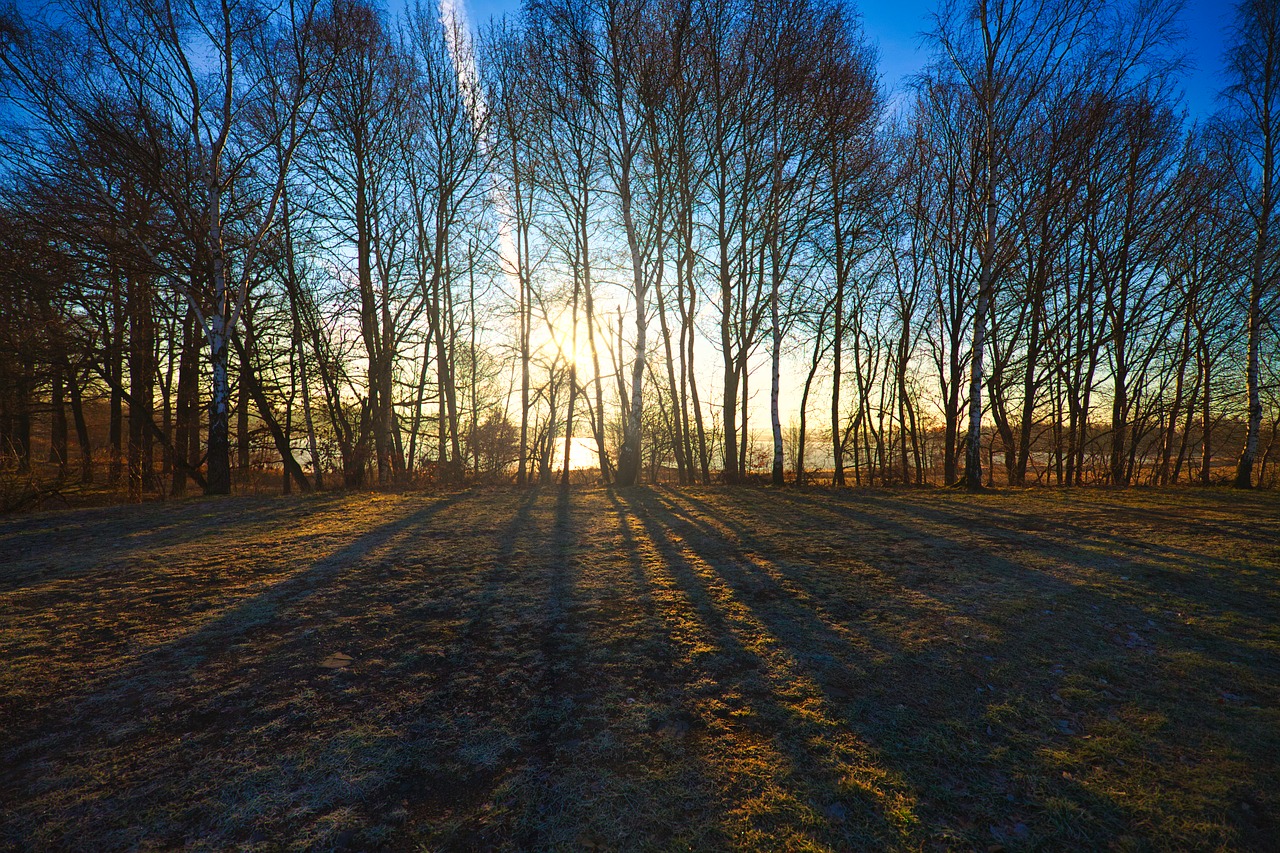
(556, 337)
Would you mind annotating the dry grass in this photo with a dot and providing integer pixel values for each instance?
(644, 669)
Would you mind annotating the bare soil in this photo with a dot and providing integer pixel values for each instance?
(646, 669)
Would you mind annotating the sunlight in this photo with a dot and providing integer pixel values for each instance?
(554, 340)
(634, 425)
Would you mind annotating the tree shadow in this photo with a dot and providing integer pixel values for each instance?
(654, 669)
(102, 542)
(1111, 566)
(155, 722)
(772, 677)
(1002, 691)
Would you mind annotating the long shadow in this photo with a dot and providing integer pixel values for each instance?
(551, 642)
(952, 559)
(133, 685)
(163, 729)
(551, 718)
(489, 705)
(899, 722)
(1016, 665)
(489, 722)
(800, 600)
(1139, 571)
(1064, 534)
(1126, 585)
(603, 764)
(559, 646)
(457, 693)
(1110, 555)
(588, 773)
(1194, 508)
(492, 583)
(82, 538)
(817, 764)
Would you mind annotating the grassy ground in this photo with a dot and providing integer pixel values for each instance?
(645, 669)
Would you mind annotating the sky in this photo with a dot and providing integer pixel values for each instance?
(894, 26)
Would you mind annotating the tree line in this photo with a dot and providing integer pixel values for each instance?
(366, 248)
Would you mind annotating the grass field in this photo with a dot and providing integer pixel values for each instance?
(666, 669)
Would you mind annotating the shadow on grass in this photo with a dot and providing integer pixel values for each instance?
(105, 539)
(669, 669)
(921, 702)
(178, 706)
(1078, 679)
(756, 668)
(1102, 568)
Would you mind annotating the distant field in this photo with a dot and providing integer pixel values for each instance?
(665, 669)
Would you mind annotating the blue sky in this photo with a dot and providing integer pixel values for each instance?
(894, 25)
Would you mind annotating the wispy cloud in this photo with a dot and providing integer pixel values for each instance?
(461, 47)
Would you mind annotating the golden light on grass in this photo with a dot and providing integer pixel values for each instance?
(645, 669)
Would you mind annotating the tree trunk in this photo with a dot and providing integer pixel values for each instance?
(219, 477)
(115, 371)
(1244, 467)
(973, 443)
(775, 364)
(82, 429)
(58, 420)
(187, 418)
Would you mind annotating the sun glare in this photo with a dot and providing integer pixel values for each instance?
(557, 341)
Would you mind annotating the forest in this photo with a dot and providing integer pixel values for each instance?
(318, 243)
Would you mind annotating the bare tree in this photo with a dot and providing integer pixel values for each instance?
(1252, 122)
(1005, 53)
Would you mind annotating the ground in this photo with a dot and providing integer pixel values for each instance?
(645, 669)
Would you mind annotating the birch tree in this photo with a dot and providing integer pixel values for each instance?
(1005, 53)
(1252, 123)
